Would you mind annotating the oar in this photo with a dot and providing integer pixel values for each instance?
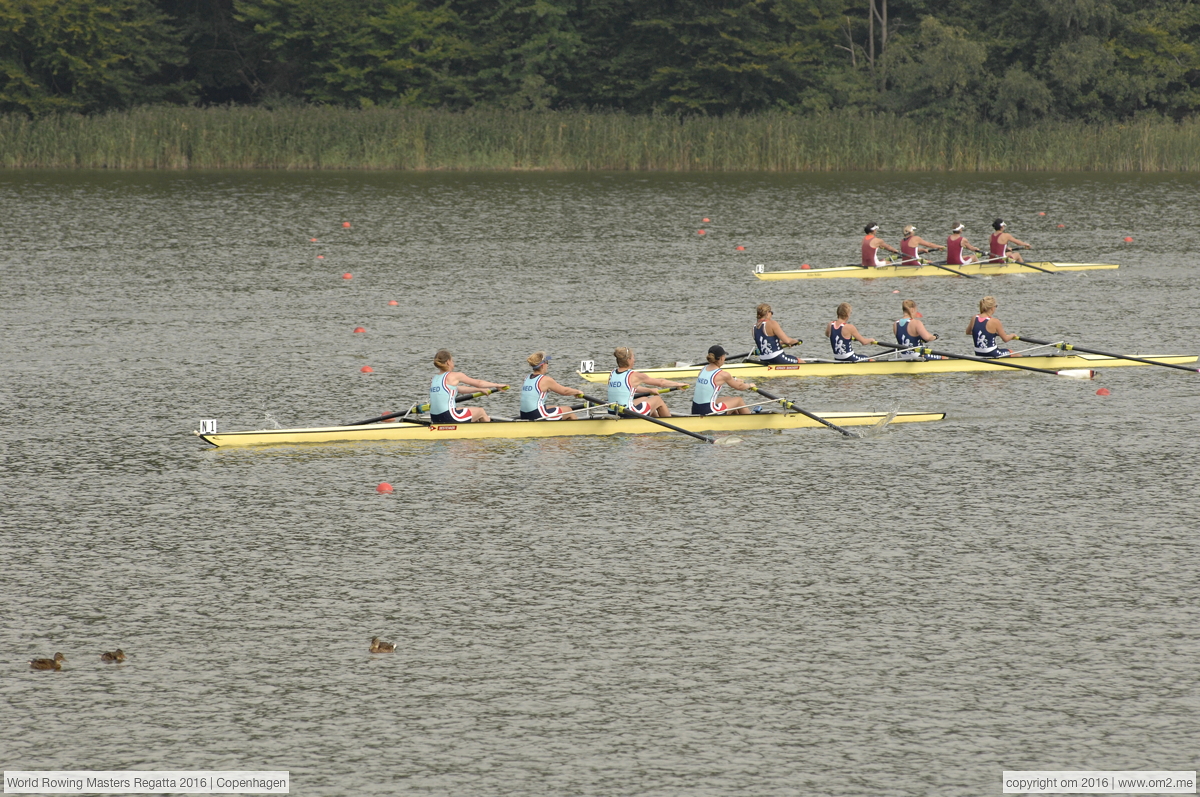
(425, 407)
(627, 413)
(743, 356)
(1070, 373)
(1069, 347)
(945, 267)
(792, 406)
(1014, 262)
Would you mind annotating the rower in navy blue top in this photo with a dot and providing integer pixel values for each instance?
(911, 332)
(984, 329)
(842, 334)
(769, 338)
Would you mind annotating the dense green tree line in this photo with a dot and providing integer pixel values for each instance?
(1010, 61)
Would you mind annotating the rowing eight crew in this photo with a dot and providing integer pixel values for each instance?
(912, 247)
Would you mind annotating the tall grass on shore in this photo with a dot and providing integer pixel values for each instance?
(414, 139)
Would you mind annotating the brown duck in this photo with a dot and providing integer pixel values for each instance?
(116, 655)
(48, 664)
(379, 646)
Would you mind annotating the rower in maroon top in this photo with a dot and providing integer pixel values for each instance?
(912, 246)
(954, 246)
(1001, 241)
(871, 244)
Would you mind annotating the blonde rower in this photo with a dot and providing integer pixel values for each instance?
(842, 334)
(984, 329)
(444, 389)
(623, 383)
(535, 388)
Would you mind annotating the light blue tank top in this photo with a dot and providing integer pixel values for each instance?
(985, 342)
(441, 395)
(842, 350)
(531, 396)
(618, 388)
(706, 389)
(768, 345)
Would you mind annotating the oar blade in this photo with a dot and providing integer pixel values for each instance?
(1077, 373)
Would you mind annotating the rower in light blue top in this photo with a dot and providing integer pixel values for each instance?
(535, 388)
(709, 382)
(770, 339)
(842, 334)
(444, 389)
(623, 383)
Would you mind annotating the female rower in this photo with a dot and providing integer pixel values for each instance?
(871, 244)
(1000, 242)
(842, 334)
(911, 332)
(954, 246)
(623, 383)
(444, 388)
(769, 338)
(910, 247)
(984, 330)
(709, 382)
(537, 385)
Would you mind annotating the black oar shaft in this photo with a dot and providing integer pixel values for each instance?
(991, 360)
(792, 406)
(628, 413)
(1071, 347)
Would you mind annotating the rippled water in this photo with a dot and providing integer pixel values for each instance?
(1011, 588)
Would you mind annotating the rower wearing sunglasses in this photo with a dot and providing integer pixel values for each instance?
(535, 388)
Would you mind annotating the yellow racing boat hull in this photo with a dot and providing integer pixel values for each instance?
(902, 367)
(974, 269)
(567, 428)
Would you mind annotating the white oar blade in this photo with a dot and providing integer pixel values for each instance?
(1077, 373)
(727, 441)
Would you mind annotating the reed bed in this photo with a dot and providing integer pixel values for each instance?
(419, 140)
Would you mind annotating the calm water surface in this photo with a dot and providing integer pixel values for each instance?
(1012, 588)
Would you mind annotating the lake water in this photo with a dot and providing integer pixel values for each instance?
(910, 614)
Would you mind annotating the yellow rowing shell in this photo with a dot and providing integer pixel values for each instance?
(974, 269)
(885, 367)
(571, 428)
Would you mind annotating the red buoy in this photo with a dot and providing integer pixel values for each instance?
(1128, 239)
(1061, 226)
(366, 369)
(806, 265)
(704, 220)
(384, 487)
(1102, 392)
(699, 232)
(1041, 213)
(359, 329)
(393, 303)
(741, 249)
(320, 257)
(346, 224)
(347, 275)
(314, 240)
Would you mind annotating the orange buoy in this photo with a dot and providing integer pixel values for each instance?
(741, 249)
(1041, 213)
(347, 276)
(704, 220)
(359, 329)
(393, 303)
(366, 369)
(805, 265)
(1061, 226)
(1103, 392)
(699, 232)
(346, 224)
(895, 291)
(314, 240)
(384, 487)
(1128, 239)
(320, 257)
